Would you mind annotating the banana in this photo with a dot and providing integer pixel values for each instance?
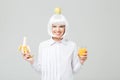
(24, 48)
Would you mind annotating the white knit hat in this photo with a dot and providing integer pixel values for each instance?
(59, 19)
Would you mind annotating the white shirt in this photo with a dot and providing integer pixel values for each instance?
(57, 60)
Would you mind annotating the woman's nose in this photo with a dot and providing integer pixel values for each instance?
(58, 29)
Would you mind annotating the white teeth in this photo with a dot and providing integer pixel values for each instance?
(57, 33)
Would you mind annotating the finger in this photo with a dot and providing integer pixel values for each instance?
(27, 58)
(24, 54)
(83, 57)
(85, 54)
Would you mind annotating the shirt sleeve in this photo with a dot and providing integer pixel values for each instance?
(75, 60)
(37, 63)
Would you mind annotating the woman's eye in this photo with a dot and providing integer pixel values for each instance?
(62, 26)
(54, 26)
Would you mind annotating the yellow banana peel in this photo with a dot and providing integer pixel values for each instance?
(25, 49)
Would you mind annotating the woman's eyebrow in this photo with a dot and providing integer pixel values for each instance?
(62, 25)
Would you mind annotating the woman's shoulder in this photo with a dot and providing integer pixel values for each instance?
(70, 42)
(44, 43)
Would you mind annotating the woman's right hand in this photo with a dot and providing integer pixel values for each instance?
(28, 57)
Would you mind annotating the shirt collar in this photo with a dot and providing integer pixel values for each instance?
(63, 41)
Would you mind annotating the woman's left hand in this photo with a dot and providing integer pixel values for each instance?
(83, 58)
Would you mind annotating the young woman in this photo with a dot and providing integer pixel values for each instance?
(58, 57)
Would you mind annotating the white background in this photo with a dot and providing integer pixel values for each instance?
(94, 24)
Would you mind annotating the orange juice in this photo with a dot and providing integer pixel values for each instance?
(82, 51)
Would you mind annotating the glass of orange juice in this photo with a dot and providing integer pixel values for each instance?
(82, 51)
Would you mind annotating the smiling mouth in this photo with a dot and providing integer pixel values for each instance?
(58, 33)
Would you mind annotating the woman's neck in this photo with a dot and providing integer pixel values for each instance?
(57, 39)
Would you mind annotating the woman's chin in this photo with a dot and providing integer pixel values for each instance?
(57, 37)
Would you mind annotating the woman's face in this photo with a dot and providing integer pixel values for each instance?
(58, 30)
